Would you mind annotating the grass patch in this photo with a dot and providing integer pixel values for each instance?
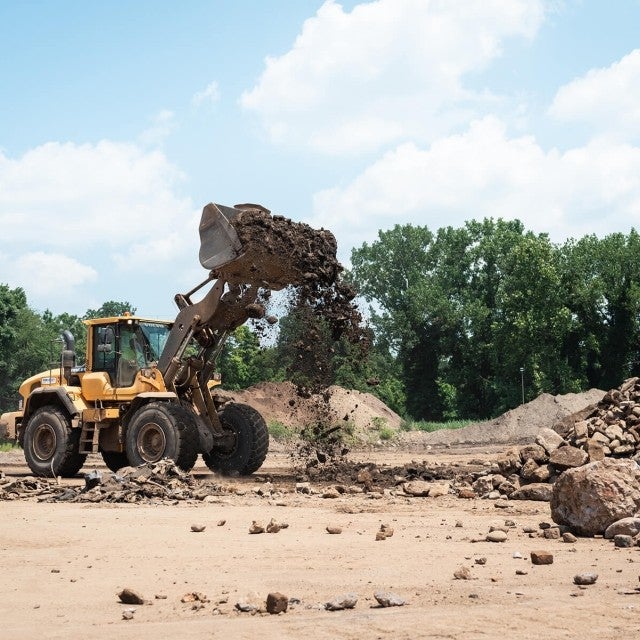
(8, 446)
(386, 433)
(424, 425)
(381, 430)
(280, 432)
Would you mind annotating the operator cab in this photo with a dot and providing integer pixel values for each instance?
(123, 346)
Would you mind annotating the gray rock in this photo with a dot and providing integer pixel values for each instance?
(534, 452)
(622, 541)
(548, 439)
(389, 599)
(496, 536)
(438, 490)
(598, 436)
(417, 488)
(625, 526)
(585, 578)
(347, 601)
(568, 457)
(483, 485)
(535, 491)
(462, 573)
(552, 533)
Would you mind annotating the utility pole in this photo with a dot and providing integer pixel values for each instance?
(522, 382)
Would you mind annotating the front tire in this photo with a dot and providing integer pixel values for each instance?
(250, 441)
(162, 430)
(51, 446)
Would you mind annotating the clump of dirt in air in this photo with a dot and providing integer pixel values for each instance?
(279, 253)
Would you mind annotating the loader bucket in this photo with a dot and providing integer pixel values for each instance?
(219, 242)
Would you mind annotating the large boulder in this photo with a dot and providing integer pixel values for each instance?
(590, 498)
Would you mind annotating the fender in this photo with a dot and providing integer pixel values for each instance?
(49, 395)
(145, 398)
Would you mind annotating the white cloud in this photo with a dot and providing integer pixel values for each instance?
(484, 173)
(68, 194)
(210, 95)
(608, 99)
(385, 72)
(86, 223)
(51, 278)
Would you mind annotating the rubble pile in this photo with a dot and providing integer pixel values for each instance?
(162, 482)
(610, 428)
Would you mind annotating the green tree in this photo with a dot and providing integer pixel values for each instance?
(241, 360)
(408, 309)
(463, 310)
(12, 303)
(602, 281)
(110, 309)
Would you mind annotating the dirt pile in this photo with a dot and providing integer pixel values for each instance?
(519, 425)
(361, 414)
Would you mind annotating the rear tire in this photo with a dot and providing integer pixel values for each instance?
(250, 441)
(115, 460)
(51, 446)
(162, 430)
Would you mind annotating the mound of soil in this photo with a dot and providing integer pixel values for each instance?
(281, 402)
(520, 425)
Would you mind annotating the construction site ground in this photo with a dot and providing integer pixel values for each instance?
(63, 563)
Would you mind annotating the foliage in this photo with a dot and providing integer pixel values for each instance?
(280, 431)
(470, 313)
(110, 309)
(243, 362)
(429, 426)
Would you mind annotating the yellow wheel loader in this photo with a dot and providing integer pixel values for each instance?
(144, 392)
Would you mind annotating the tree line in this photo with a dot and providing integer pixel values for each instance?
(30, 341)
(463, 322)
(477, 315)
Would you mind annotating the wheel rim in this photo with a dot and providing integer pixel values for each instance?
(44, 442)
(151, 442)
(228, 444)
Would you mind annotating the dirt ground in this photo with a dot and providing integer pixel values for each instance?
(63, 564)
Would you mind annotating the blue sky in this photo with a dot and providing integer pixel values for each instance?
(119, 121)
